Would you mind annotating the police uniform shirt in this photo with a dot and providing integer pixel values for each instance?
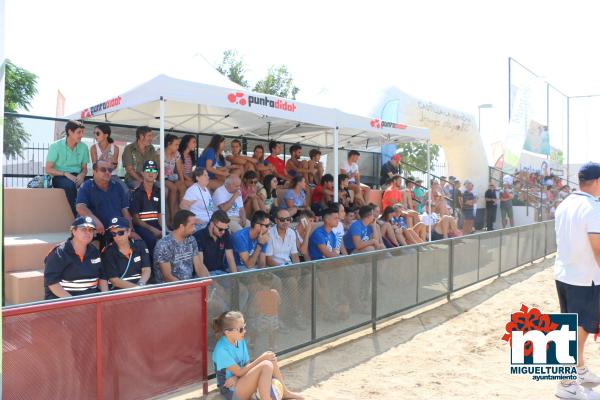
(77, 275)
(146, 205)
(115, 262)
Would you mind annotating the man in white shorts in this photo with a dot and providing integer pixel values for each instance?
(577, 271)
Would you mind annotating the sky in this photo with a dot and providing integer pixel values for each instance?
(454, 53)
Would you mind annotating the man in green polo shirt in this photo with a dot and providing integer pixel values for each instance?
(67, 161)
(136, 154)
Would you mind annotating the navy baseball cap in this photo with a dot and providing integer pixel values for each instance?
(150, 166)
(119, 223)
(83, 222)
(589, 171)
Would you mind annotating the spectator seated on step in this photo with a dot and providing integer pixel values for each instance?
(74, 267)
(176, 255)
(126, 260)
(102, 199)
(145, 207)
(67, 161)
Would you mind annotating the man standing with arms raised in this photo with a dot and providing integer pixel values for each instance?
(577, 270)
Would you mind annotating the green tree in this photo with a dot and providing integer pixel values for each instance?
(415, 155)
(19, 92)
(232, 66)
(278, 82)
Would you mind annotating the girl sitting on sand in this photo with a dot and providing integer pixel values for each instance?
(237, 377)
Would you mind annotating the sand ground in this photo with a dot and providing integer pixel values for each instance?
(453, 351)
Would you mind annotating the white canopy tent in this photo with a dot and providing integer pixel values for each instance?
(223, 107)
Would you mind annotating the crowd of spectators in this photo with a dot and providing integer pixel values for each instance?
(228, 212)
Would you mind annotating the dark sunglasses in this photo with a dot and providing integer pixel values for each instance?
(118, 233)
(98, 133)
(221, 229)
(240, 330)
(288, 219)
(106, 169)
(254, 181)
(265, 225)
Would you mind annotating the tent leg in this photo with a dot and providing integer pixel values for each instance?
(429, 187)
(163, 191)
(336, 163)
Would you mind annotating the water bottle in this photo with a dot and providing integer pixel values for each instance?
(45, 181)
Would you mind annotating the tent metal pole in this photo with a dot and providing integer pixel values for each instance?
(429, 191)
(336, 162)
(163, 192)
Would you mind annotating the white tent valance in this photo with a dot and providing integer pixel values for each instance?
(223, 107)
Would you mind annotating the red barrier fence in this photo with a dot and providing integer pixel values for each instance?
(123, 345)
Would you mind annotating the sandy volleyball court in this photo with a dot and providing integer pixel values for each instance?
(452, 352)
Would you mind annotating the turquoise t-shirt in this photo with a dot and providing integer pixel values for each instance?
(66, 160)
(225, 355)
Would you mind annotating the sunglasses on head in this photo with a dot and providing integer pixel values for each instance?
(106, 169)
(288, 219)
(118, 233)
(240, 330)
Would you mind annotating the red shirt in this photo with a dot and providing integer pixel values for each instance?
(317, 194)
(277, 163)
(391, 196)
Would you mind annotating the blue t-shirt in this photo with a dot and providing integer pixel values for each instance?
(357, 228)
(209, 154)
(320, 236)
(105, 205)
(297, 200)
(243, 243)
(225, 355)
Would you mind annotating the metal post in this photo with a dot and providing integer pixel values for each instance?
(204, 340)
(518, 240)
(429, 191)
(313, 309)
(418, 272)
(478, 255)
(500, 255)
(509, 89)
(336, 162)
(374, 293)
(568, 138)
(99, 353)
(163, 189)
(450, 269)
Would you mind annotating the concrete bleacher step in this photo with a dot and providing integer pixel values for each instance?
(24, 286)
(28, 211)
(27, 251)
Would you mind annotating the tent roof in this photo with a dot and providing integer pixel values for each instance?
(223, 107)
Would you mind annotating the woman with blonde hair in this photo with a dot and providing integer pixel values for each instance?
(237, 377)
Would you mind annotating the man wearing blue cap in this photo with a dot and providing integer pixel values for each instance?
(577, 270)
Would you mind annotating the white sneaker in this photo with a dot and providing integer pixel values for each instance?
(584, 376)
(574, 391)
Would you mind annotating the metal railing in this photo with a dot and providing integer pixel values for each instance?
(533, 193)
(18, 171)
(317, 300)
(327, 298)
(129, 344)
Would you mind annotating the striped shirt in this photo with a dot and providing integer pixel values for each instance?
(75, 273)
